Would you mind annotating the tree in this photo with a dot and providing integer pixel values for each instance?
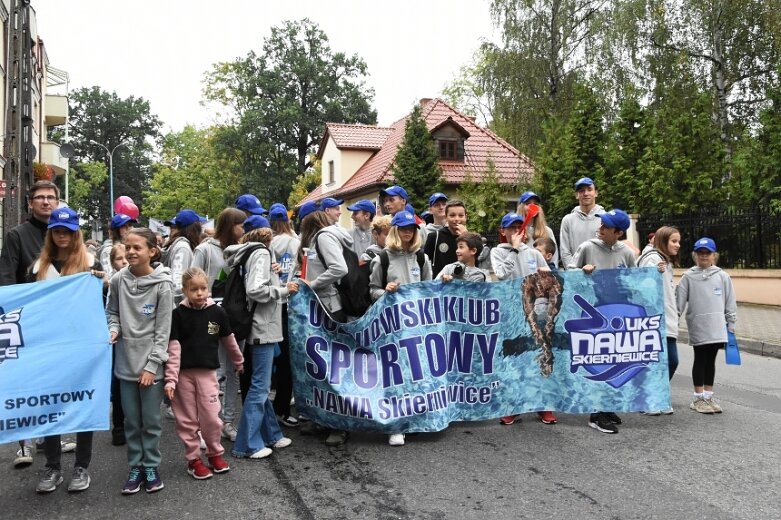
(416, 166)
(305, 183)
(279, 101)
(110, 120)
(485, 200)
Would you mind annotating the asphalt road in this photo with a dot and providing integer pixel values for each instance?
(681, 466)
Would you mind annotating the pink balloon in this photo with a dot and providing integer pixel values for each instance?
(129, 209)
(124, 199)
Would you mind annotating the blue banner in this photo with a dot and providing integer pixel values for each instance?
(433, 353)
(55, 358)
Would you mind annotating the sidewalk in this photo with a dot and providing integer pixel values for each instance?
(758, 329)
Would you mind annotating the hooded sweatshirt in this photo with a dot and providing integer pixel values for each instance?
(530, 242)
(651, 258)
(709, 300)
(178, 259)
(208, 256)
(595, 252)
(285, 248)
(576, 228)
(403, 267)
(139, 310)
(509, 264)
(323, 278)
(469, 274)
(371, 251)
(361, 239)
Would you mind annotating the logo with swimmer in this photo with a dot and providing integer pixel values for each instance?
(613, 342)
(10, 334)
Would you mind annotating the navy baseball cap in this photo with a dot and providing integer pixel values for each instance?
(307, 208)
(330, 202)
(186, 217)
(255, 222)
(616, 219)
(403, 219)
(703, 243)
(251, 204)
(364, 205)
(119, 220)
(510, 219)
(395, 191)
(583, 181)
(436, 197)
(278, 211)
(64, 217)
(526, 196)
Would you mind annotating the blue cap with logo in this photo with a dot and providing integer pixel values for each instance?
(186, 217)
(436, 198)
(403, 219)
(510, 219)
(278, 212)
(364, 205)
(255, 222)
(705, 243)
(120, 219)
(583, 181)
(307, 208)
(616, 219)
(251, 204)
(395, 191)
(64, 217)
(330, 202)
(526, 196)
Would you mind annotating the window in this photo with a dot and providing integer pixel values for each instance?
(451, 149)
(331, 174)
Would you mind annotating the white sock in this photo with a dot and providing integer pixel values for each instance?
(697, 396)
(707, 395)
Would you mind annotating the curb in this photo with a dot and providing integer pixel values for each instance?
(752, 346)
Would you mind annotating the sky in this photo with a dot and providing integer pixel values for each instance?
(160, 49)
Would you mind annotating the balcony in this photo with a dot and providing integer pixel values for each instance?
(56, 108)
(50, 154)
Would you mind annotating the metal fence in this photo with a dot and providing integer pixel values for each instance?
(746, 238)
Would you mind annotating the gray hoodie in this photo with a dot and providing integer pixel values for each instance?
(595, 252)
(323, 278)
(530, 242)
(139, 310)
(576, 228)
(371, 251)
(178, 259)
(708, 298)
(651, 258)
(361, 240)
(285, 248)
(208, 256)
(403, 267)
(470, 274)
(508, 264)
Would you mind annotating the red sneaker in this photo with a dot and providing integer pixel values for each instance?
(547, 417)
(218, 464)
(197, 470)
(509, 419)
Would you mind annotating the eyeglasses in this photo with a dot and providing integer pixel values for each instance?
(49, 198)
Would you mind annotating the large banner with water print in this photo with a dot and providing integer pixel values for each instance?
(433, 353)
(55, 358)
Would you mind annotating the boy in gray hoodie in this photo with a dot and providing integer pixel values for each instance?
(582, 223)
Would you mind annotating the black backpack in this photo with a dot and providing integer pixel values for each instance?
(353, 288)
(235, 301)
(385, 262)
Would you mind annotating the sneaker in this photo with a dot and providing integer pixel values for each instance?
(601, 422)
(284, 442)
(701, 405)
(610, 416)
(668, 411)
(289, 420)
(152, 482)
(24, 456)
(67, 446)
(547, 417)
(50, 481)
(652, 413)
(713, 404)
(168, 412)
(229, 431)
(197, 470)
(336, 438)
(80, 479)
(261, 453)
(509, 419)
(134, 480)
(201, 442)
(118, 437)
(396, 439)
(218, 464)
(312, 428)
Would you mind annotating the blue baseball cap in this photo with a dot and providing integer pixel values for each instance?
(409, 208)
(526, 196)
(307, 208)
(255, 222)
(119, 220)
(616, 219)
(510, 219)
(364, 205)
(278, 211)
(436, 197)
(703, 243)
(330, 202)
(403, 219)
(583, 181)
(64, 217)
(395, 191)
(251, 204)
(186, 217)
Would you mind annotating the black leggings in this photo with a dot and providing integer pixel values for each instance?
(704, 367)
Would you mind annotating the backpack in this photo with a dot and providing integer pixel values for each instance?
(353, 287)
(385, 262)
(235, 301)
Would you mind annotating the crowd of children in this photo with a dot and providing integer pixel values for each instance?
(173, 342)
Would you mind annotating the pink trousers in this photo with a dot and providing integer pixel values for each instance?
(196, 404)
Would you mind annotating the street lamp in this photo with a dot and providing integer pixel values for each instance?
(110, 171)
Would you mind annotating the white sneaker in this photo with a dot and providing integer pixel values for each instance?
(202, 442)
(284, 442)
(397, 439)
(24, 456)
(668, 411)
(67, 446)
(229, 432)
(261, 453)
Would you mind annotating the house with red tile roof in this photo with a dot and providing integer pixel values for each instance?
(357, 160)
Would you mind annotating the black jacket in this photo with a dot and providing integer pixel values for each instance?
(21, 247)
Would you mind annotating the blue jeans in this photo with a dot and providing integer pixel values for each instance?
(672, 355)
(258, 426)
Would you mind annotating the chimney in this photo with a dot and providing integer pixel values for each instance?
(424, 101)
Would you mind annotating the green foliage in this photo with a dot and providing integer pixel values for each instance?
(82, 180)
(416, 167)
(278, 102)
(485, 200)
(305, 183)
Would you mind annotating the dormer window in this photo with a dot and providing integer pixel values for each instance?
(451, 149)
(449, 137)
